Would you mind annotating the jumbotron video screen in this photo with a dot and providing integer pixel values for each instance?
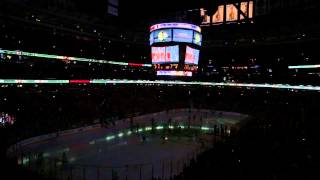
(175, 48)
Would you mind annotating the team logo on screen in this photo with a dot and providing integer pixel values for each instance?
(162, 35)
(197, 38)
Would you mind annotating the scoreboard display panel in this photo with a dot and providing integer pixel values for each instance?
(192, 56)
(175, 33)
(162, 35)
(197, 38)
(174, 73)
(182, 35)
(158, 55)
(172, 54)
(151, 39)
(167, 54)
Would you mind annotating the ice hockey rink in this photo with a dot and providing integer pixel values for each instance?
(128, 148)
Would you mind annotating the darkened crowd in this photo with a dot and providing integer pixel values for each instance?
(280, 140)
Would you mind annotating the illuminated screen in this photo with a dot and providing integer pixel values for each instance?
(229, 13)
(244, 9)
(161, 55)
(158, 55)
(151, 38)
(182, 35)
(172, 54)
(205, 17)
(192, 56)
(164, 35)
(174, 73)
(232, 13)
(197, 38)
(250, 9)
(219, 15)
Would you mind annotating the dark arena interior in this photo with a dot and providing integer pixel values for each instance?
(119, 89)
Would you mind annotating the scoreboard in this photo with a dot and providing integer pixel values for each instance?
(175, 48)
